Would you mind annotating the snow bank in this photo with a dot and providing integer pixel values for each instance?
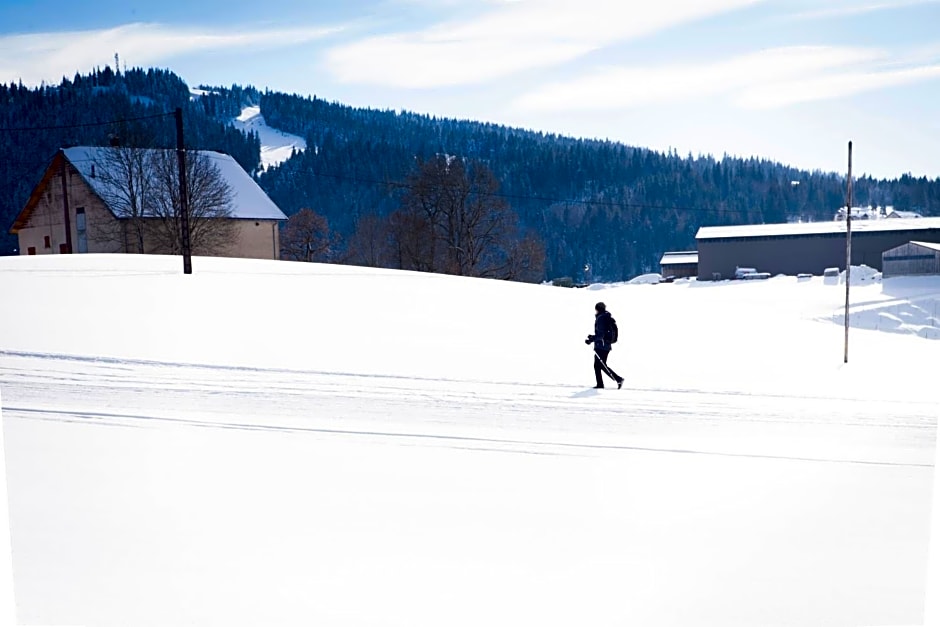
(861, 275)
(646, 279)
(903, 305)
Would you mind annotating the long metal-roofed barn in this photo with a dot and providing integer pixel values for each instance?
(911, 259)
(808, 247)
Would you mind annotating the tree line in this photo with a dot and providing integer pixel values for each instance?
(451, 220)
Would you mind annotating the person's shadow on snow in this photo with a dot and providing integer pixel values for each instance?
(586, 393)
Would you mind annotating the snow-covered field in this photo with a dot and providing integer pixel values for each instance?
(276, 146)
(276, 443)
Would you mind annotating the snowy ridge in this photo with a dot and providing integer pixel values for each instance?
(324, 435)
(276, 146)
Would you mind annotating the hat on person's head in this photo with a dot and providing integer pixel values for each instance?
(600, 307)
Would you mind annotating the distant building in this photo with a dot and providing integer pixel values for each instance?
(807, 248)
(912, 258)
(905, 215)
(871, 212)
(860, 213)
(681, 264)
(40, 225)
(875, 212)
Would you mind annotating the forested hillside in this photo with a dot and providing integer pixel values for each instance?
(601, 204)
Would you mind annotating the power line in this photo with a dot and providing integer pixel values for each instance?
(27, 129)
(545, 199)
(406, 186)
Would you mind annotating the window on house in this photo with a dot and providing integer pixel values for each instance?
(31, 250)
(47, 241)
(63, 249)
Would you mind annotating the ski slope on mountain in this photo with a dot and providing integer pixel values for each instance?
(276, 146)
(276, 443)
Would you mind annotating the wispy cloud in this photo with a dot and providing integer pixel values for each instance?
(508, 37)
(49, 56)
(766, 79)
(814, 88)
(851, 10)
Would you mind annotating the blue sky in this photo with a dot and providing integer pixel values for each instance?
(790, 80)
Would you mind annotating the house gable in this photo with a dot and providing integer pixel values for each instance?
(41, 225)
(23, 217)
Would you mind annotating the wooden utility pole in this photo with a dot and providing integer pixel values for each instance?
(848, 253)
(65, 203)
(184, 199)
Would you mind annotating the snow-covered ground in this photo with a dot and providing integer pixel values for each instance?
(276, 146)
(275, 443)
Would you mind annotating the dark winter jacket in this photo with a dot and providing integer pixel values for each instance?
(602, 331)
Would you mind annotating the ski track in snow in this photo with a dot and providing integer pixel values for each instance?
(511, 417)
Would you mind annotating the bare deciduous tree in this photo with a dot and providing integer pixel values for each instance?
(525, 260)
(141, 187)
(413, 241)
(127, 187)
(371, 243)
(307, 237)
(453, 220)
(211, 231)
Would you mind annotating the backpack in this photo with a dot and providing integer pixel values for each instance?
(612, 331)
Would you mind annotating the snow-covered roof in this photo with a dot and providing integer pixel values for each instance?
(865, 213)
(815, 228)
(930, 245)
(680, 257)
(249, 202)
(904, 214)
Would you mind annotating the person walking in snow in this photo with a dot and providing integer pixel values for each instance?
(603, 338)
